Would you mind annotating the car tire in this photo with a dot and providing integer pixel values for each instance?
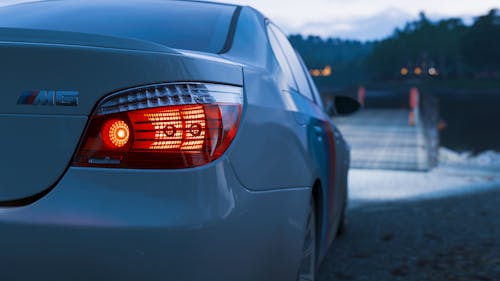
(309, 262)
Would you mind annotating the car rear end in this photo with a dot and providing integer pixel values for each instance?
(114, 164)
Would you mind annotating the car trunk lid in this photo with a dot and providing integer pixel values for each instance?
(51, 82)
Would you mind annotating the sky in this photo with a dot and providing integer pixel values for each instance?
(355, 19)
(361, 19)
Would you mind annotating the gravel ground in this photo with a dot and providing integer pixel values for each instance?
(451, 235)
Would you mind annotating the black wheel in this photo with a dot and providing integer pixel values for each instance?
(308, 266)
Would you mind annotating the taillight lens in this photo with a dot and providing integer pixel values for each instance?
(165, 126)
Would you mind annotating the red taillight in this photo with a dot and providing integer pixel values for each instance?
(115, 133)
(167, 126)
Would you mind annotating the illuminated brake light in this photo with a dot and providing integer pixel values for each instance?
(165, 126)
(115, 133)
(178, 127)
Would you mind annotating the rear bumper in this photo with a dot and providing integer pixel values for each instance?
(196, 224)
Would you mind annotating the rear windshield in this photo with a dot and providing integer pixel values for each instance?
(177, 24)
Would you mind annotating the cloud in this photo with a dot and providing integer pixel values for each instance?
(373, 27)
(12, 2)
(365, 28)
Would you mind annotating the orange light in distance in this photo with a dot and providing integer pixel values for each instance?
(115, 133)
(316, 72)
(327, 71)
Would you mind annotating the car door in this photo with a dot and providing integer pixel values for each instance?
(319, 131)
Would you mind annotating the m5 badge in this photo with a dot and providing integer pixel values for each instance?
(49, 98)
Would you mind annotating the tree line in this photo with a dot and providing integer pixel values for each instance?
(422, 49)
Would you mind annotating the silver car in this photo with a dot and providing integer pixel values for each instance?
(162, 140)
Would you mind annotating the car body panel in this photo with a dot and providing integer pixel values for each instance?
(66, 38)
(28, 143)
(271, 144)
(194, 224)
(250, 43)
